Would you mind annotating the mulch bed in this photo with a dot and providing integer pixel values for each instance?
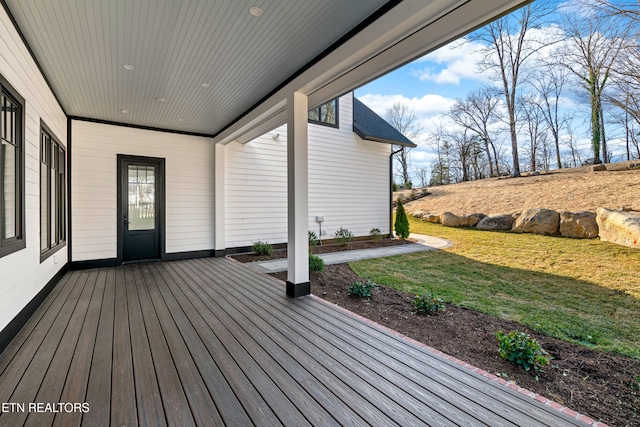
(603, 386)
(323, 249)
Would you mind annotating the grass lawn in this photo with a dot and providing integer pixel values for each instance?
(581, 291)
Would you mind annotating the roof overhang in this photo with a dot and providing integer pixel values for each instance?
(384, 141)
(208, 67)
(410, 30)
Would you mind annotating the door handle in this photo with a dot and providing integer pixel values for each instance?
(126, 223)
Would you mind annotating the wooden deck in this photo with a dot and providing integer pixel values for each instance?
(210, 342)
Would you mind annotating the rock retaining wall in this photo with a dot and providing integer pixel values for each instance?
(617, 226)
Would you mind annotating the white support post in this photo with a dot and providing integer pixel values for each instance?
(298, 195)
(220, 242)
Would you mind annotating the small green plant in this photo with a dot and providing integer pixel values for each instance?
(634, 383)
(402, 222)
(428, 303)
(343, 236)
(261, 247)
(408, 185)
(376, 235)
(394, 187)
(316, 264)
(361, 289)
(313, 239)
(521, 349)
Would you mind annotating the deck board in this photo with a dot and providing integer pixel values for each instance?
(212, 342)
(198, 399)
(421, 375)
(389, 350)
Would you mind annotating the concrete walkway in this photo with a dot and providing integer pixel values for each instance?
(424, 243)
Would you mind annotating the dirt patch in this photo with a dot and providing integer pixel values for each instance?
(603, 386)
(561, 190)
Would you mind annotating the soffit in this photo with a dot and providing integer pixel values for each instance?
(175, 47)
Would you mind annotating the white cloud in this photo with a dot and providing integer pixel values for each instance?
(455, 62)
(428, 106)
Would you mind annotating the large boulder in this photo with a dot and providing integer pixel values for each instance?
(452, 220)
(417, 214)
(429, 217)
(496, 222)
(619, 227)
(537, 221)
(598, 168)
(578, 225)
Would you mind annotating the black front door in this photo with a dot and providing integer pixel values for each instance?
(140, 208)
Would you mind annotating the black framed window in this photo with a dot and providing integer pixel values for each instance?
(12, 211)
(326, 114)
(52, 194)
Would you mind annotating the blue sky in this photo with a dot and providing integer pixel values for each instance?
(430, 85)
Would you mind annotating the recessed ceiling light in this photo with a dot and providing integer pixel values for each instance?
(205, 85)
(124, 111)
(128, 67)
(255, 11)
(160, 99)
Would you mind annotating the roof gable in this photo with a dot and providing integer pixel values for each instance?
(370, 126)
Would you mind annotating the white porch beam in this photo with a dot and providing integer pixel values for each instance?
(220, 242)
(392, 40)
(298, 195)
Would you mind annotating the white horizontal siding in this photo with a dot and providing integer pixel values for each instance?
(22, 275)
(348, 183)
(189, 187)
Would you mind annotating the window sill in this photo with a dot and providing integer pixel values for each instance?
(47, 254)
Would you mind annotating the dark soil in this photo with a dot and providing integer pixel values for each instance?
(323, 249)
(602, 386)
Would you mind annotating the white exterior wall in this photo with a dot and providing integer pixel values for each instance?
(188, 187)
(22, 275)
(348, 183)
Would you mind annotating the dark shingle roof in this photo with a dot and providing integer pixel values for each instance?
(370, 126)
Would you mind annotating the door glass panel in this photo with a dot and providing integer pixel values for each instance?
(142, 197)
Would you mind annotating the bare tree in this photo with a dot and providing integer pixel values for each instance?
(591, 50)
(465, 152)
(509, 46)
(423, 176)
(440, 170)
(406, 122)
(476, 113)
(533, 125)
(571, 143)
(549, 84)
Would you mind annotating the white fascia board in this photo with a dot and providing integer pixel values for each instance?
(389, 42)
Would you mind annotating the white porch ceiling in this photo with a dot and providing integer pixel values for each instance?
(176, 46)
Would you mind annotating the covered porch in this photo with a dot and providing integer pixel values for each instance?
(211, 342)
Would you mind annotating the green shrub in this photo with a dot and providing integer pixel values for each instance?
(262, 248)
(428, 303)
(394, 187)
(316, 263)
(521, 349)
(313, 239)
(361, 289)
(343, 236)
(376, 235)
(408, 185)
(402, 222)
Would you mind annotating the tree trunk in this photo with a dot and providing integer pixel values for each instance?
(486, 147)
(514, 142)
(556, 139)
(603, 143)
(595, 123)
